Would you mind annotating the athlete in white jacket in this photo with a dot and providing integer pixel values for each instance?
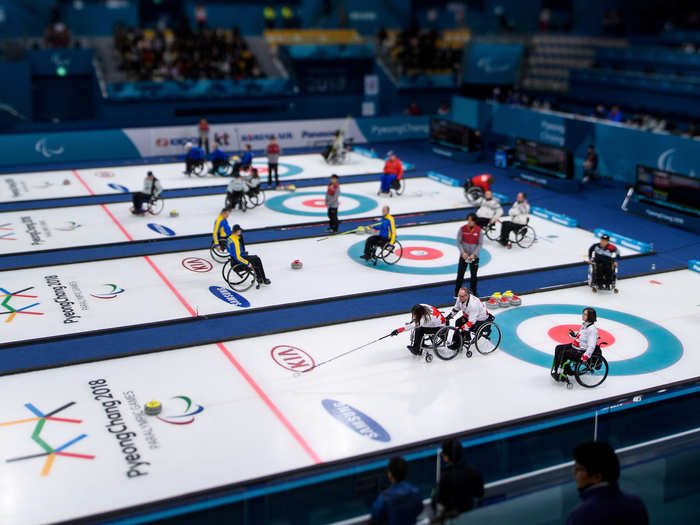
(472, 310)
(425, 319)
(489, 209)
(583, 346)
(519, 216)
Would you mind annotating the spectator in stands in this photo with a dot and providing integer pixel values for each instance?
(200, 16)
(615, 114)
(401, 503)
(461, 484)
(600, 112)
(596, 472)
(57, 35)
(412, 110)
(444, 109)
(692, 131)
(590, 164)
(270, 16)
(204, 134)
(288, 17)
(273, 152)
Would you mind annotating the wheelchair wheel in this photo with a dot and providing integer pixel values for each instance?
(473, 194)
(200, 169)
(447, 342)
(391, 253)
(239, 277)
(400, 187)
(488, 338)
(156, 206)
(525, 236)
(217, 254)
(591, 373)
(256, 199)
(493, 231)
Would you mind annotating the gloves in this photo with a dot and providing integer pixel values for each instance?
(395, 332)
(572, 333)
(584, 358)
(449, 317)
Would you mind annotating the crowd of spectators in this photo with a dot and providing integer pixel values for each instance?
(154, 54)
(613, 113)
(419, 51)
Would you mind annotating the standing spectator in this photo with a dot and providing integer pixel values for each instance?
(615, 114)
(204, 134)
(401, 503)
(596, 472)
(200, 16)
(57, 35)
(332, 196)
(273, 152)
(270, 16)
(470, 238)
(461, 484)
(590, 165)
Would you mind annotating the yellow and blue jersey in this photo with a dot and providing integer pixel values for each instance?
(387, 228)
(236, 250)
(221, 230)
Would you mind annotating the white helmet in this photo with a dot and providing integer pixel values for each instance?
(188, 145)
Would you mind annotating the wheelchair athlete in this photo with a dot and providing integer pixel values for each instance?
(425, 319)
(473, 313)
(235, 192)
(385, 235)
(518, 214)
(221, 229)
(152, 189)
(489, 210)
(585, 341)
(602, 256)
(194, 157)
(253, 183)
(236, 249)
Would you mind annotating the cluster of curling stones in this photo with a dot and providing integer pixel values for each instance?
(503, 300)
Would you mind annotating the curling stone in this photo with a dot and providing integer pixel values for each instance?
(515, 300)
(174, 213)
(153, 408)
(297, 264)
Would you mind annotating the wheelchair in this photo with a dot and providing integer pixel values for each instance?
(594, 280)
(244, 203)
(588, 374)
(524, 236)
(389, 253)
(239, 277)
(448, 341)
(473, 194)
(155, 205)
(398, 186)
(218, 252)
(336, 157)
(254, 198)
(199, 168)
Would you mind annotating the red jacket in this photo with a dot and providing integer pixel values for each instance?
(273, 149)
(470, 236)
(482, 181)
(394, 167)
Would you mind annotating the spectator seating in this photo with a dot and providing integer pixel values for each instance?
(649, 59)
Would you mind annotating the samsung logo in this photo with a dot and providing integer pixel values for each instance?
(355, 420)
(159, 228)
(229, 296)
(118, 187)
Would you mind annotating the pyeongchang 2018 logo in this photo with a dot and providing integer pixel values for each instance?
(43, 424)
(112, 292)
(186, 416)
(10, 235)
(10, 310)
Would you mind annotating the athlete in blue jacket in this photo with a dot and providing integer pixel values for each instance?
(193, 156)
(236, 249)
(218, 159)
(385, 235)
(247, 158)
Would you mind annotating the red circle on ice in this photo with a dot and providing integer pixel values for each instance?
(561, 334)
(421, 253)
(315, 203)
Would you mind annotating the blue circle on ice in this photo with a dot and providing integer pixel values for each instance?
(358, 249)
(663, 350)
(364, 204)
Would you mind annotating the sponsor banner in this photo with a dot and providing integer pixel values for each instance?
(554, 217)
(233, 137)
(292, 358)
(694, 265)
(444, 179)
(627, 242)
(229, 296)
(381, 129)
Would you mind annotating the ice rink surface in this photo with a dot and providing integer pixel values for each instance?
(236, 411)
(110, 293)
(69, 227)
(122, 179)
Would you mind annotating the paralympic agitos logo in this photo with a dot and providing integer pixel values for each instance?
(112, 291)
(186, 417)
